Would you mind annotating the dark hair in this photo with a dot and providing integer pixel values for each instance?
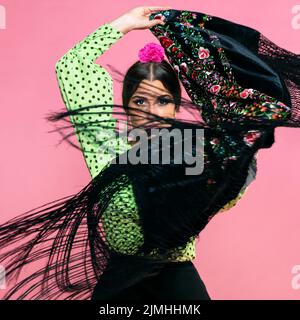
(162, 71)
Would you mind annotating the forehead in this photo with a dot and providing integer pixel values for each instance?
(151, 88)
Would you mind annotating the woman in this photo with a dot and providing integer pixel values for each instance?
(136, 224)
(148, 87)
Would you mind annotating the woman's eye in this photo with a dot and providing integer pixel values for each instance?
(138, 102)
(164, 101)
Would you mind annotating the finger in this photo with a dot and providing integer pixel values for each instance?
(154, 22)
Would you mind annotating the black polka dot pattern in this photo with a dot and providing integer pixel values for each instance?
(83, 82)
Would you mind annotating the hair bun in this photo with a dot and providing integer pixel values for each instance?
(151, 52)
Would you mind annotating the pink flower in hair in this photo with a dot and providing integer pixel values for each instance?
(151, 52)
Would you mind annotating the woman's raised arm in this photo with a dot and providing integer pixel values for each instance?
(84, 83)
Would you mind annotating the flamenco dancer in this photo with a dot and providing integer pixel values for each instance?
(131, 232)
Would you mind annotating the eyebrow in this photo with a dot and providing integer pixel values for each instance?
(161, 96)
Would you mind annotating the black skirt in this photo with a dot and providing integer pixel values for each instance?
(176, 281)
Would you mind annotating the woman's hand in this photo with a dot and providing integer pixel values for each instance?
(137, 18)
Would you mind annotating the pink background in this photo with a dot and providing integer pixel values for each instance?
(246, 253)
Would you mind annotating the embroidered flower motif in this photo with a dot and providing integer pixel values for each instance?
(251, 136)
(214, 141)
(187, 24)
(194, 75)
(203, 53)
(166, 42)
(215, 88)
(281, 104)
(214, 103)
(246, 93)
(232, 91)
(184, 67)
(176, 68)
(158, 16)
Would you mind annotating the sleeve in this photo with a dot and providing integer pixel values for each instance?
(84, 83)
